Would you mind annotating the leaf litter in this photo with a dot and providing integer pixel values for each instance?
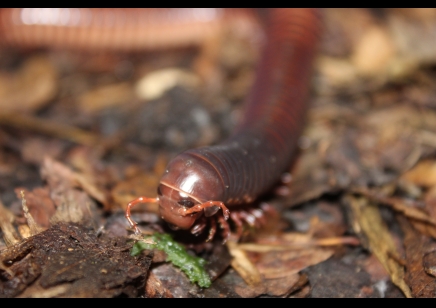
(356, 219)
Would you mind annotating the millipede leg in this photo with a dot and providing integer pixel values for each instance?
(260, 217)
(225, 227)
(132, 204)
(212, 230)
(239, 226)
(200, 207)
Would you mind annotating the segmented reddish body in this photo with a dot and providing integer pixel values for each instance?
(247, 164)
(198, 182)
(114, 29)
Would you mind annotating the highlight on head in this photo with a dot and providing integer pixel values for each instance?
(173, 204)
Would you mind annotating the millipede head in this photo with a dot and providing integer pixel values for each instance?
(173, 205)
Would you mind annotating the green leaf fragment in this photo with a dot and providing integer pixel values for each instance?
(138, 247)
(192, 266)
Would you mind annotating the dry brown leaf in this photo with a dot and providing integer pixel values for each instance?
(39, 203)
(279, 259)
(105, 97)
(87, 185)
(429, 261)
(406, 207)
(423, 174)
(10, 236)
(430, 202)
(422, 218)
(90, 172)
(416, 246)
(281, 286)
(36, 291)
(286, 245)
(414, 34)
(171, 282)
(337, 72)
(243, 265)
(72, 204)
(344, 28)
(34, 149)
(30, 88)
(48, 127)
(155, 289)
(411, 212)
(33, 226)
(140, 185)
(54, 171)
(24, 231)
(367, 221)
(279, 264)
(370, 61)
(424, 228)
(154, 84)
(376, 270)
(245, 291)
(309, 170)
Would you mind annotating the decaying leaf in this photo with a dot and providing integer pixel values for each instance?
(40, 206)
(33, 226)
(367, 221)
(243, 265)
(29, 89)
(105, 97)
(416, 247)
(10, 236)
(62, 181)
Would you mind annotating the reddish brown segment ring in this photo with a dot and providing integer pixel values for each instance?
(199, 182)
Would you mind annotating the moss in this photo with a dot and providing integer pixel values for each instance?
(192, 266)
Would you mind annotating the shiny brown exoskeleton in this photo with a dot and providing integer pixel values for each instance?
(199, 182)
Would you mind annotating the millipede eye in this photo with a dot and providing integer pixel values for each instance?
(186, 203)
